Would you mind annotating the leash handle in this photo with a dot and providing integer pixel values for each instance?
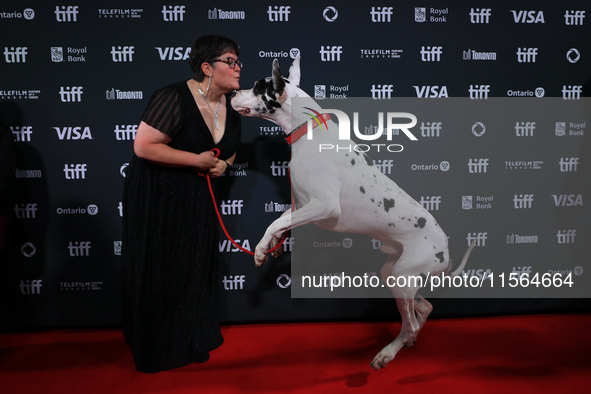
(216, 153)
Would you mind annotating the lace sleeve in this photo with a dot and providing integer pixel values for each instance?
(164, 111)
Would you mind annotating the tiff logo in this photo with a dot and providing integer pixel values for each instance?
(431, 203)
(381, 14)
(279, 13)
(479, 237)
(25, 211)
(15, 54)
(525, 129)
(279, 168)
(574, 18)
(22, 133)
(78, 249)
(173, 13)
(125, 132)
(385, 166)
(480, 15)
(477, 166)
(568, 164)
(71, 94)
(430, 129)
(331, 53)
(66, 13)
(75, 171)
(566, 236)
(232, 207)
(235, 282)
(478, 92)
(572, 92)
(122, 54)
(31, 286)
(527, 55)
(523, 201)
(381, 91)
(431, 54)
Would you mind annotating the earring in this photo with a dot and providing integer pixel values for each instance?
(208, 85)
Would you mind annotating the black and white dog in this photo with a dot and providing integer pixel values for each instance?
(344, 192)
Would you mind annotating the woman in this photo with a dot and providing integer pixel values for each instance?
(170, 231)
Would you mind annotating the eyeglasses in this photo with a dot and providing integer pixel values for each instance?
(229, 61)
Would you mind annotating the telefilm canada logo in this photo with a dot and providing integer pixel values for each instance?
(392, 127)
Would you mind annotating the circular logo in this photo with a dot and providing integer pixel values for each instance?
(540, 92)
(294, 52)
(578, 270)
(573, 55)
(444, 166)
(123, 169)
(92, 209)
(478, 129)
(283, 281)
(29, 13)
(330, 14)
(347, 243)
(28, 249)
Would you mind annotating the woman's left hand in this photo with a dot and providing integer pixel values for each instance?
(219, 169)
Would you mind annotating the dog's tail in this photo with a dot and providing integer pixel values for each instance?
(458, 270)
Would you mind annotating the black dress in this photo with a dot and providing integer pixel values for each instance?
(170, 241)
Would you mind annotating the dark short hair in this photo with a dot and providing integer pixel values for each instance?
(208, 48)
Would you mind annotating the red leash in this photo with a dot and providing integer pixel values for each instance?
(216, 153)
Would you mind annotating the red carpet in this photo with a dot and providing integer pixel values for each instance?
(542, 354)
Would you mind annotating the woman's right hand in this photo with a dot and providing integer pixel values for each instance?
(206, 161)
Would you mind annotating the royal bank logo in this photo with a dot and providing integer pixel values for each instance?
(69, 54)
(477, 202)
(570, 128)
(433, 15)
(320, 91)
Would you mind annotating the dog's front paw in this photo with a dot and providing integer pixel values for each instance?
(260, 255)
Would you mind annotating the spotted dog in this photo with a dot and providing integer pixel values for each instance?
(343, 191)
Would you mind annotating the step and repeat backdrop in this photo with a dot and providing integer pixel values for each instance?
(76, 76)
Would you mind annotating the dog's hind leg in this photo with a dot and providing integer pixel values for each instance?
(413, 308)
(423, 309)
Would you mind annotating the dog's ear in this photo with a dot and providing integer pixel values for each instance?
(278, 82)
(294, 72)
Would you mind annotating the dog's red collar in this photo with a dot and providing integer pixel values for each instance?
(303, 129)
